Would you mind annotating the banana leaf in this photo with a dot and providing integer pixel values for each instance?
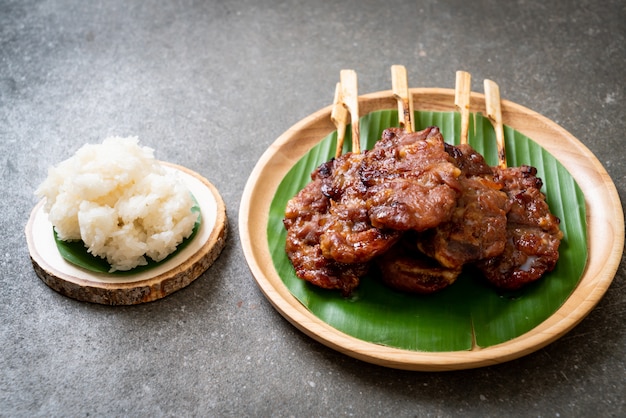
(470, 313)
(76, 252)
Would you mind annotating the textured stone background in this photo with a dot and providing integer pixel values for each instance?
(210, 85)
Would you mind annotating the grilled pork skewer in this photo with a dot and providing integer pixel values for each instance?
(330, 239)
(477, 227)
(401, 92)
(404, 267)
(382, 206)
(462, 101)
(533, 234)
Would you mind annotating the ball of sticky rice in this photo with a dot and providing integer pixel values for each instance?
(120, 201)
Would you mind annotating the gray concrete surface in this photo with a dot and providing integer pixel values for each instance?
(210, 85)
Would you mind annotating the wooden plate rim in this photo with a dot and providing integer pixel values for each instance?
(604, 215)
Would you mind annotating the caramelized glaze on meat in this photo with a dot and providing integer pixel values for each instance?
(305, 218)
(476, 230)
(533, 235)
(406, 269)
(470, 162)
(411, 180)
(477, 227)
(330, 239)
(420, 210)
(349, 236)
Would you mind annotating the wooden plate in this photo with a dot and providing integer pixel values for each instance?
(605, 233)
(145, 286)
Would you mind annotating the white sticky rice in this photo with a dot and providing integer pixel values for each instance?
(120, 201)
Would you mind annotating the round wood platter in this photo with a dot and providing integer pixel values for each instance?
(604, 216)
(148, 285)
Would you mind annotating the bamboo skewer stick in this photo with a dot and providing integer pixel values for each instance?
(400, 87)
(339, 116)
(462, 101)
(349, 94)
(494, 113)
(412, 110)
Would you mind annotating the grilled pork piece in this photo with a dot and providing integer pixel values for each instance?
(305, 217)
(477, 226)
(406, 269)
(412, 183)
(532, 236)
(330, 239)
(449, 207)
(348, 235)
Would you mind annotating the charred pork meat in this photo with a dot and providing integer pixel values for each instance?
(420, 210)
(412, 183)
(330, 239)
(407, 269)
(477, 226)
(533, 236)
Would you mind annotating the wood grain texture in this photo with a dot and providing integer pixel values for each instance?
(149, 285)
(604, 215)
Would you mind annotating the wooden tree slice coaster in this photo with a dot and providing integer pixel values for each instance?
(145, 286)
